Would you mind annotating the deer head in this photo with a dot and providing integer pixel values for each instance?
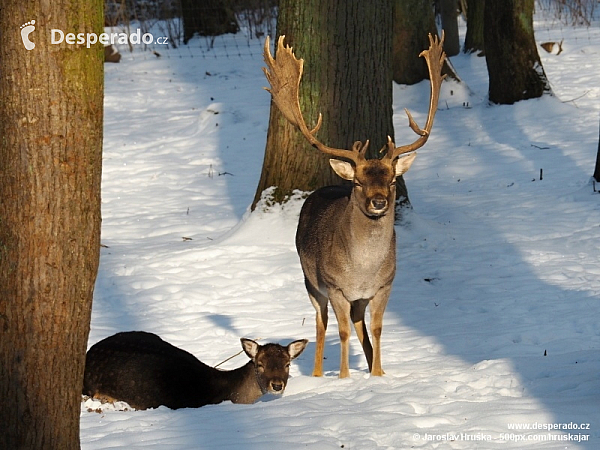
(374, 179)
(272, 363)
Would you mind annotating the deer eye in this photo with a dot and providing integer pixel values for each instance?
(357, 184)
(393, 183)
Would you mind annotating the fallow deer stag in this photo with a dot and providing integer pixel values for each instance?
(346, 238)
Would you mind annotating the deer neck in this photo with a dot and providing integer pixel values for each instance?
(365, 237)
(242, 384)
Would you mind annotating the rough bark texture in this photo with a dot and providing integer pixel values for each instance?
(514, 66)
(449, 15)
(207, 18)
(50, 169)
(346, 47)
(413, 21)
(597, 168)
(474, 38)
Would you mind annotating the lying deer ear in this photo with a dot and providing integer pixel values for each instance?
(404, 163)
(342, 168)
(296, 347)
(250, 347)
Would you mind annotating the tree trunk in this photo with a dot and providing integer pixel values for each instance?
(474, 38)
(207, 18)
(514, 66)
(597, 169)
(413, 21)
(449, 14)
(347, 77)
(50, 168)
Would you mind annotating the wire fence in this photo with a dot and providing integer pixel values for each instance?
(236, 28)
(194, 28)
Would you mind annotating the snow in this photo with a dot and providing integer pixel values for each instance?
(493, 319)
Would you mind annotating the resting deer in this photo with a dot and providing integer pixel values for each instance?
(143, 370)
(346, 238)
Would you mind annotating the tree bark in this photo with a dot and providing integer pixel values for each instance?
(413, 21)
(514, 66)
(207, 18)
(50, 168)
(449, 15)
(347, 77)
(474, 41)
(597, 168)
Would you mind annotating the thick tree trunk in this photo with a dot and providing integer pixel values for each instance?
(346, 47)
(449, 14)
(514, 66)
(474, 38)
(597, 168)
(207, 18)
(50, 169)
(413, 21)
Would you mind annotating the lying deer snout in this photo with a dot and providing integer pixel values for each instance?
(277, 386)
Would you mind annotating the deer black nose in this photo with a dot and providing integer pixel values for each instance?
(277, 386)
(379, 204)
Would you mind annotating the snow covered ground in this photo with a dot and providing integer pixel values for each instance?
(491, 337)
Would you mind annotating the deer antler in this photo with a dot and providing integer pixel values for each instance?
(284, 74)
(434, 56)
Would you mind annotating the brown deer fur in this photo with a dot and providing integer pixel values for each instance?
(345, 238)
(143, 370)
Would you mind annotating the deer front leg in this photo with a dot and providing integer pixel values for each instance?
(320, 303)
(341, 307)
(357, 314)
(377, 308)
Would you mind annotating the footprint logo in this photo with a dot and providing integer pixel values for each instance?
(26, 30)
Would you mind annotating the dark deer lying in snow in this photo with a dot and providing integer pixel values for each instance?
(143, 370)
(346, 238)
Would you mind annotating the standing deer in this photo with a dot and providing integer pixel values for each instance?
(143, 370)
(346, 238)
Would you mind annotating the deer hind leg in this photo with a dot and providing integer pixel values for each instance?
(357, 314)
(319, 301)
(377, 308)
(342, 307)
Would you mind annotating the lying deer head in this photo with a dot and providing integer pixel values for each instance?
(374, 180)
(272, 363)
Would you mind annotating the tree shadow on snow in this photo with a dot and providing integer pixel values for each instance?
(471, 273)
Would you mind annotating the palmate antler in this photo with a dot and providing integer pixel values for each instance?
(284, 75)
(435, 57)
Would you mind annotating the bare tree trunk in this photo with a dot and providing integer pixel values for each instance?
(413, 21)
(207, 18)
(474, 39)
(597, 168)
(514, 66)
(50, 168)
(449, 14)
(347, 77)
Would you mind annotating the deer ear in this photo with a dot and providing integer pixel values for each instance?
(342, 168)
(296, 347)
(250, 347)
(404, 163)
